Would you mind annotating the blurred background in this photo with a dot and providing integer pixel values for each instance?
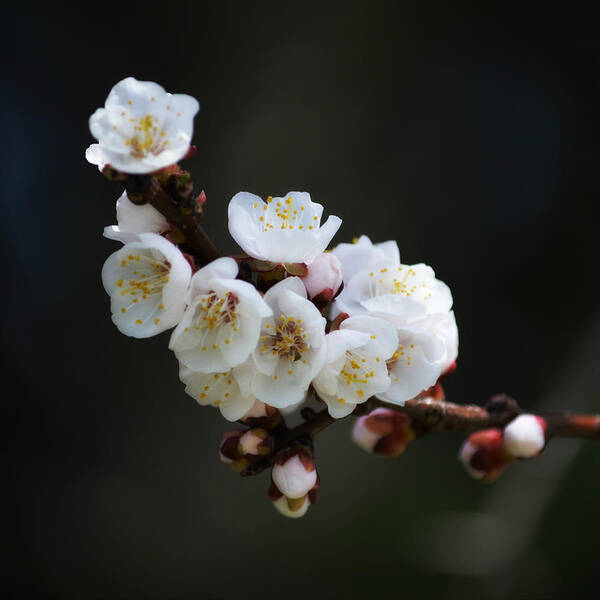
(467, 132)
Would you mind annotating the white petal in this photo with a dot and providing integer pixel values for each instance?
(364, 254)
(96, 156)
(383, 339)
(221, 268)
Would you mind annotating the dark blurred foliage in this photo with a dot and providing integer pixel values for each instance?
(467, 132)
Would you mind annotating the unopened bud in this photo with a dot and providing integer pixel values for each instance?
(294, 473)
(256, 441)
(484, 455)
(324, 276)
(525, 436)
(384, 432)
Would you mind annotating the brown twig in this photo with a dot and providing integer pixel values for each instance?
(175, 202)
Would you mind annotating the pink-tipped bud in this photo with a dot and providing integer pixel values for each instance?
(384, 432)
(484, 455)
(324, 277)
(294, 473)
(525, 436)
(256, 442)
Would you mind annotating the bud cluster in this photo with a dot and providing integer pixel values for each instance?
(487, 453)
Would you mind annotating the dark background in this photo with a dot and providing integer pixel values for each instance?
(469, 133)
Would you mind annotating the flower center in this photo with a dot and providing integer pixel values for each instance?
(148, 139)
(151, 276)
(356, 371)
(214, 311)
(283, 214)
(289, 338)
(395, 280)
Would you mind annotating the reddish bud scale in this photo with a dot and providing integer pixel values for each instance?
(436, 391)
(274, 493)
(322, 300)
(230, 444)
(302, 452)
(449, 370)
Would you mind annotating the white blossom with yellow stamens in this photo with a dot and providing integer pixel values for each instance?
(147, 281)
(356, 366)
(399, 293)
(141, 128)
(291, 349)
(280, 230)
(133, 219)
(227, 390)
(220, 327)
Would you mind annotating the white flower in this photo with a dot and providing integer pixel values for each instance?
(289, 507)
(147, 281)
(229, 390)
(363, 253)
(356, 363)
(294, 478)
(141, 128)
(399, 293)
(280, 230)
(221, 325)
(291, 349)
(324, 276)
(133, 219)
(525, 436)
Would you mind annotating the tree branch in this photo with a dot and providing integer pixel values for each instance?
(429, 415)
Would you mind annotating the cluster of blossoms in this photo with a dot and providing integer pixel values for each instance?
(287, 322)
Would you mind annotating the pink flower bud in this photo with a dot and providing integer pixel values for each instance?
(324, 276)
(525, 436)
(294, 473)
(484, 455)
(384, 432)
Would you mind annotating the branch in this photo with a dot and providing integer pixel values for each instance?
(173, 198)
(429, 415)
